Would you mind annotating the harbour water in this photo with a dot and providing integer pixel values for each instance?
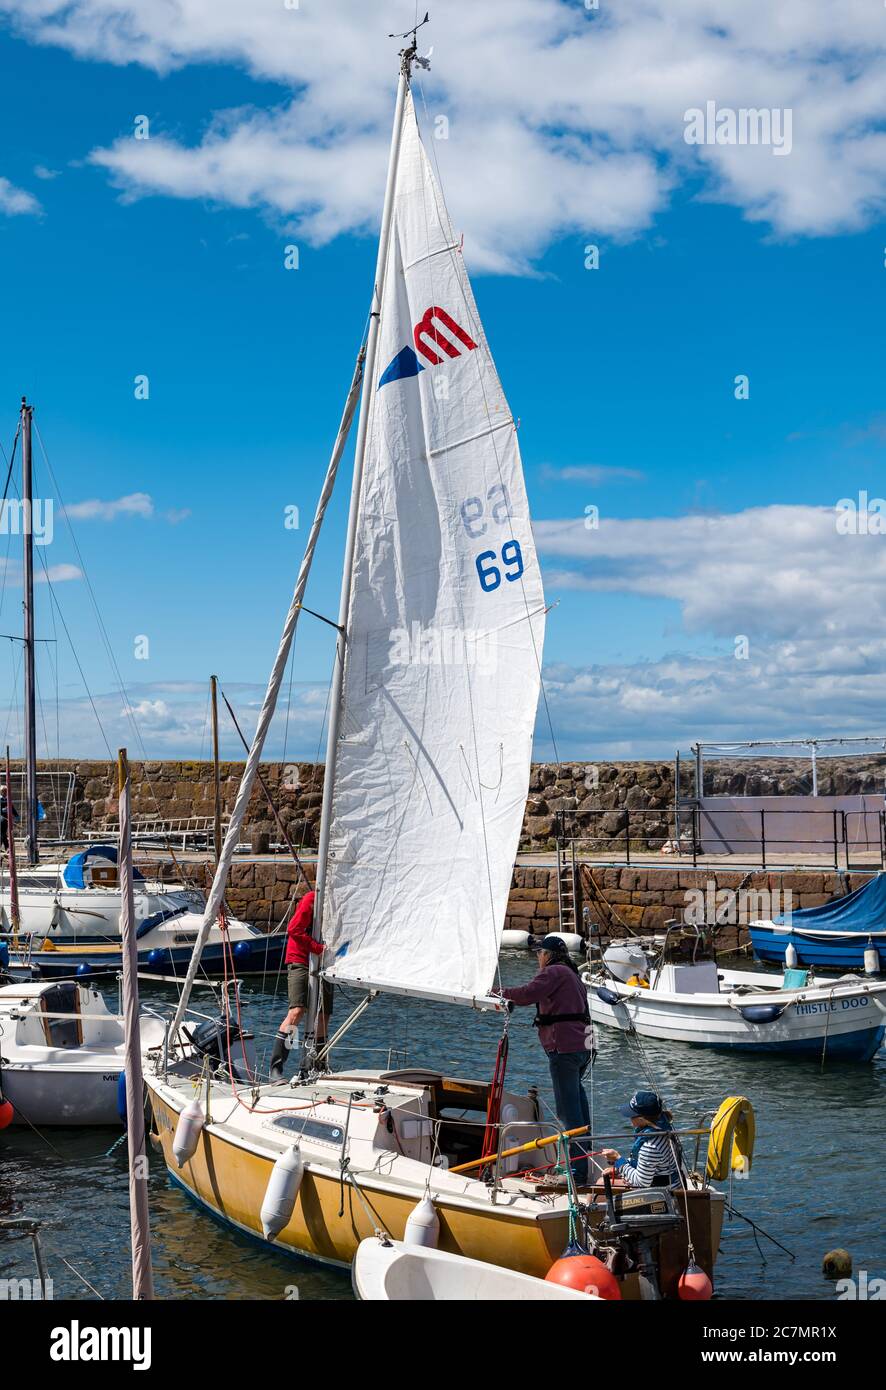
(814, 1184)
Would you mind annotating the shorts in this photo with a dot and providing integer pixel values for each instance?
(297, 982)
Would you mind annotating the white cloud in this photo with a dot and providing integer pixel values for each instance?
(648, 709)
(56, 574)
(778, 571)
(169, 719)
(591, 473)
(563, 121)
(134, 504)
(15, 201)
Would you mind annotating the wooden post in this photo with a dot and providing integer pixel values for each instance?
(213, 685)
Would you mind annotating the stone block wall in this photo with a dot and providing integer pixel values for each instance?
(602, 801)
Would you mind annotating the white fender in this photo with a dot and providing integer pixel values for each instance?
(423, 1225)
(871, 960)
(790, 956)
(187, 1132)
(571, 940)
(512, 940)
(281, 1192)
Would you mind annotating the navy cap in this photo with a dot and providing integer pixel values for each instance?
(647, 1104)
(548, 943)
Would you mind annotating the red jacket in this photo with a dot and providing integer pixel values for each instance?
(299, 933)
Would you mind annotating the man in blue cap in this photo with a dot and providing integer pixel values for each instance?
(564, 1031)
(653, 1160)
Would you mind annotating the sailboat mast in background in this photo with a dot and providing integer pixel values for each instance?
(30, 686)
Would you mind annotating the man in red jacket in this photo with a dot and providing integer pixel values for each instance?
(299, 949)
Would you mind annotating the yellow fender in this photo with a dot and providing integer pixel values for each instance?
(731, 1145)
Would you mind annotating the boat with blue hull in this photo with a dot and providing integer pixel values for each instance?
(846, 934)
(69, 924)
(256, 953)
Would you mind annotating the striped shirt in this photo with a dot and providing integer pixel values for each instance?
(653, 1156)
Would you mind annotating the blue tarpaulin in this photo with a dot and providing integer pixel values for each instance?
(863, 910)
(73, 874)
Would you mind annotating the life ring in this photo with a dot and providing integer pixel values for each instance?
(731, 1145)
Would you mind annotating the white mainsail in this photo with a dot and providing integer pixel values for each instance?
(444, 635)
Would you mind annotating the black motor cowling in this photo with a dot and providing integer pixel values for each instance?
(213, 1037)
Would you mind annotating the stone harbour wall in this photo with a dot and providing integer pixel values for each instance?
(602, 801)
(620, 901)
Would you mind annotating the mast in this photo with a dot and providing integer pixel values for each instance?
(407, 57)
(31, 854)
(14, 914)
(213, 686)
(139, 1219)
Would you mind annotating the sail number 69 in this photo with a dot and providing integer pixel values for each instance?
(490, 574)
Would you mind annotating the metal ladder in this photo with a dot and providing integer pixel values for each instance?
(567, 886)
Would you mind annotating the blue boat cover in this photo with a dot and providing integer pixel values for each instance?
(73, 874)
(861, 911)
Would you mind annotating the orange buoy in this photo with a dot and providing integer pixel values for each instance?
(7, 1114)
(586, 1273)
(694, 1285)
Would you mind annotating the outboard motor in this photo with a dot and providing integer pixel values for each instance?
(210, 1039)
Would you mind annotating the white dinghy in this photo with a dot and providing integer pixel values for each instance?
(675, 991)
(62, 1054)
(391, 1271)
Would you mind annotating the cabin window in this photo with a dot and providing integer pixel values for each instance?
(310, 1129)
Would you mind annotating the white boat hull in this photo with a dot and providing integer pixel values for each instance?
(394, 1272)
(62, 1065)
(840, 1020)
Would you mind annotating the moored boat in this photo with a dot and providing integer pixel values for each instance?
(677, 992)
(69, 924)
(63, 1055)
(392, 1272)
(848, 933)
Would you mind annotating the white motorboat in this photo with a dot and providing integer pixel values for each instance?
(62, 1054)
(393, 1272)
(671, 989)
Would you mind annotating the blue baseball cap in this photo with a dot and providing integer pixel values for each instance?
(647, 1104)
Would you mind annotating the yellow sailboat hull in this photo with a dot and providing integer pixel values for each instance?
(331, 1217)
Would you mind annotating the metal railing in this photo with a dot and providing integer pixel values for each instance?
(690, 828)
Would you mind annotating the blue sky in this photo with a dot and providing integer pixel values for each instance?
(716, 515)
